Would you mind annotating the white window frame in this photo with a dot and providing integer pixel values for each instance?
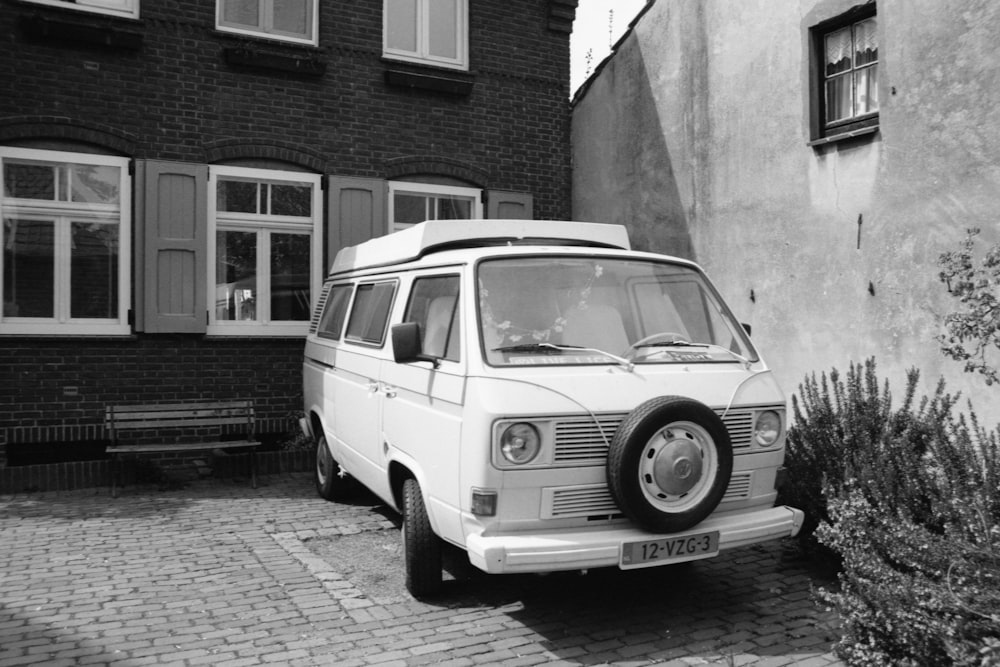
(422, 54)
(267, 30)
(125, 8)
(425, 189)
(63, 214)
(263, 225)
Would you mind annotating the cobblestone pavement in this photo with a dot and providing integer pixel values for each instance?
(220, 574)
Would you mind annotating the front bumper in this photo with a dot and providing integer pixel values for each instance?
(588, 548)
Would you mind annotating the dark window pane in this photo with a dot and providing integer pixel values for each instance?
(94, 271)
(291, 200)
(28, 268)
(236, 276)
(29, 180)
(290, 298)
(454, 208)
(409, 209)
(838, 98)
(237, 196)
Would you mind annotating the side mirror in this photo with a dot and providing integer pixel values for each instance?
(746, 327)
(406, 344)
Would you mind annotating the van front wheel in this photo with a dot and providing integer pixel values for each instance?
(332, 483)
(421, 547)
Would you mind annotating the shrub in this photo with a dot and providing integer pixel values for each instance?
(908, 500)
(973, 331)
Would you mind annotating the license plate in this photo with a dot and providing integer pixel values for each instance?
(669, 550)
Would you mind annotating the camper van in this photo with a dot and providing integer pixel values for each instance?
(544, 398)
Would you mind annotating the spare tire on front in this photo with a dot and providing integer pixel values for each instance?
(669, 464)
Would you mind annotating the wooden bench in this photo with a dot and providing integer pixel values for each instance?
(181, 427)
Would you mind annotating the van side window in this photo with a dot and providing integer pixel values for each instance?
(371, 312)
(331, 325)
(434, 306)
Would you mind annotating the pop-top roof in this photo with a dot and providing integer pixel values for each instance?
(435, 235)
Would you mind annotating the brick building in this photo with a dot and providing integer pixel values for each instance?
(178, 175)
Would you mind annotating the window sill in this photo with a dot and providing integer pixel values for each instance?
(450, 82)
(60, 31)
(844, 136)
(252, 58)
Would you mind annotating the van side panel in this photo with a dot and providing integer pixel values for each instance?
(422, 418)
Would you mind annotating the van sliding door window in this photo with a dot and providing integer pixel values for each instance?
(370, 314)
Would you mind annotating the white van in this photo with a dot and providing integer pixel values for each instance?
(542, 397)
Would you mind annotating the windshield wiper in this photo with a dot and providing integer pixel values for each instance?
(552, 347)
(530, 347)
(672, 343)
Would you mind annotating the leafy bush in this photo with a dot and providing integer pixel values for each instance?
(908, 500)
(973, 331)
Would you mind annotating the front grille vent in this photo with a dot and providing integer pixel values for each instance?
(582, 441)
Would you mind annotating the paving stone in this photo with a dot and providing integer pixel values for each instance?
(220, 574)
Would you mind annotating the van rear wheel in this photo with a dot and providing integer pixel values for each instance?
(421, 547)
(332, 483)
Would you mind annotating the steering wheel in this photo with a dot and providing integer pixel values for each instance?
(662, 337)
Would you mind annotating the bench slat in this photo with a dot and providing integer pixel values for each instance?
(182, 447)
(209, 405)
(177, 423)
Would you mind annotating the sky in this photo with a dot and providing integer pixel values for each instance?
(598, 25)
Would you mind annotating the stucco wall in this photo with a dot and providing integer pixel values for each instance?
(695, 134)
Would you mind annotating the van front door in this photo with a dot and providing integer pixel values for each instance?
(422, 404)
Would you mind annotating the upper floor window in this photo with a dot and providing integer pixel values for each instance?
(289, 20)
(66, 244)
(433, 32)
(847, 71)
(265, 250)
(126, 8)
(410, 203)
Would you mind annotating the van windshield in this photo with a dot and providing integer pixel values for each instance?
(592, 310)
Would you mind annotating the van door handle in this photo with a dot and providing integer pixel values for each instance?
(390, 392)
(373, 387)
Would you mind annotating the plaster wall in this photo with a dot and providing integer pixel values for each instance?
(695, 134)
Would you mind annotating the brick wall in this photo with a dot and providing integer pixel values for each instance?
(166, 90)
(56, 390)
(176, 97)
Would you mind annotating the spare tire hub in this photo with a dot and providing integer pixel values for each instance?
(674, 462)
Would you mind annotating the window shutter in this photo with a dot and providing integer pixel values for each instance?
(504, 205)
(172, 258)
(356, 210)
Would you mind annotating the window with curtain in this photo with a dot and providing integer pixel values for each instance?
(847, 71)
(288, 20)
(851, 71)
(265, 245)
(65, 240)
(432, 32)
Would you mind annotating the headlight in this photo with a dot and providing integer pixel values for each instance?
(767, 430)
(520, 443)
